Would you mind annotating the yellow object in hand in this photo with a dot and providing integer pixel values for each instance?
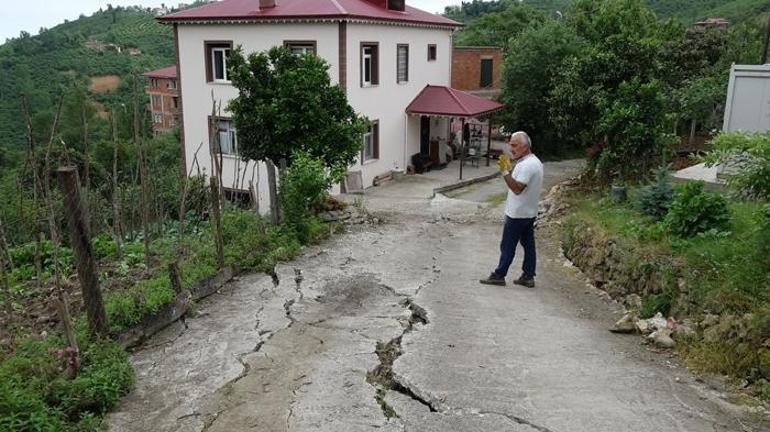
(504, 163)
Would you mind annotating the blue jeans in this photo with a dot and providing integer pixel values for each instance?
(518, 231)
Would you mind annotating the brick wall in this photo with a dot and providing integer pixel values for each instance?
(466, 67)
(168, 113)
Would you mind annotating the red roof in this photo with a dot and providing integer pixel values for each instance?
(289, 9)
(166, 72)
(442, 100)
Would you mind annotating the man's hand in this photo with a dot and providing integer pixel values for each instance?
(504, 163)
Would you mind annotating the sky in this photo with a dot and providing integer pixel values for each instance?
(30, 15)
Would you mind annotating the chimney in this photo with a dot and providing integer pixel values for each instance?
(266, 4)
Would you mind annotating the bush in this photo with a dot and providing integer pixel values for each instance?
(304, 187)
(655, 199)
(36, 395)
(748, 160)
(656, 303)
(694, 210)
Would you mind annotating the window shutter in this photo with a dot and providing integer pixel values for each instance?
(376, 139)
(486, 73)
(375, 65)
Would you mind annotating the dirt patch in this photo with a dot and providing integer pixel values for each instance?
(104, 83)
(101, 110)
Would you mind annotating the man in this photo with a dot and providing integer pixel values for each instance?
(524, 186)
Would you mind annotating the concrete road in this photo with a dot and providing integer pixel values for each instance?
(386, 328)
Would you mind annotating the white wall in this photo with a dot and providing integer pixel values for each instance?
(387, 101)
(197, 93)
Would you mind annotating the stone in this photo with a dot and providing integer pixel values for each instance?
(709, 321)
(633, 301)
(764, 362)
(624, 325)
(657, 322)
(643, 327)
(685, 329)
(662, 338)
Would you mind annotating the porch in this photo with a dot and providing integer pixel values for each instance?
(445, 125)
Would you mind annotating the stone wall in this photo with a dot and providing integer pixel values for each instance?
(620, 268)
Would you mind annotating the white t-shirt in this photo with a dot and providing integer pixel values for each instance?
(528, 171)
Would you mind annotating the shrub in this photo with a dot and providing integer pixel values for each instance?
(655, 198)
(748, 160)
(38, 396)
(304, 187)
(694, 210)
(656, 303)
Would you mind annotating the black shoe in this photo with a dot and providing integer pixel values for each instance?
(493, 279)
(524, 280)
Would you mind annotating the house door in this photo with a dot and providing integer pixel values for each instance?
(424, 135)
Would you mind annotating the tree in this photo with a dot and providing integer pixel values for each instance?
(286, 102)
(494, 29)
(632, 124)
(528, 77)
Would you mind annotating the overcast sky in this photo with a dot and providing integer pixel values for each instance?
(30, 15)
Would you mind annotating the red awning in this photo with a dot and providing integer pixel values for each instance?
(446, 101)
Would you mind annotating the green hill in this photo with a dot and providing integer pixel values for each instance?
(687, 11)
(45, 66)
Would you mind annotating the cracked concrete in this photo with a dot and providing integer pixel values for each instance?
(304, 349)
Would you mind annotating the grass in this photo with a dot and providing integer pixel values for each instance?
(727, 273)
(728, 270)
(38, 394)
(497, 199)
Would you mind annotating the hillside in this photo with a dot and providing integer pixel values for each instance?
(97, 52)
(687, 11)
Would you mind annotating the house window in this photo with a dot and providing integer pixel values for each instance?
(153, 82)
(157, 117)
(174, 102)
(156, 101)
(216, 61)
(431, 52)
(171, 84)
(226, 137)
(402, 63)
(371, 142)
(301, 47)
(369, 64)
(486, 73)
(396, 5)
(174, 120)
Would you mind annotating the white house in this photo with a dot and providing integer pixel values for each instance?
(383, 53)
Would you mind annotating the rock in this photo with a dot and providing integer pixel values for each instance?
(685, 329)
(662, 338)
(682, 285)
(657, 322)
(643, 327)
(624, 325)
(633, 301)
(709, 320)
(764, 362)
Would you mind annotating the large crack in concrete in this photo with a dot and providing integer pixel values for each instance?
(381, 377)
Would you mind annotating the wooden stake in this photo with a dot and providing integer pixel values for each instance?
(32, 159)
(254, 197)
(81, 245)
(116, 218)
(86, 162)
(273, 188)
(217, 219)
(175, 277)
(139, 142)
